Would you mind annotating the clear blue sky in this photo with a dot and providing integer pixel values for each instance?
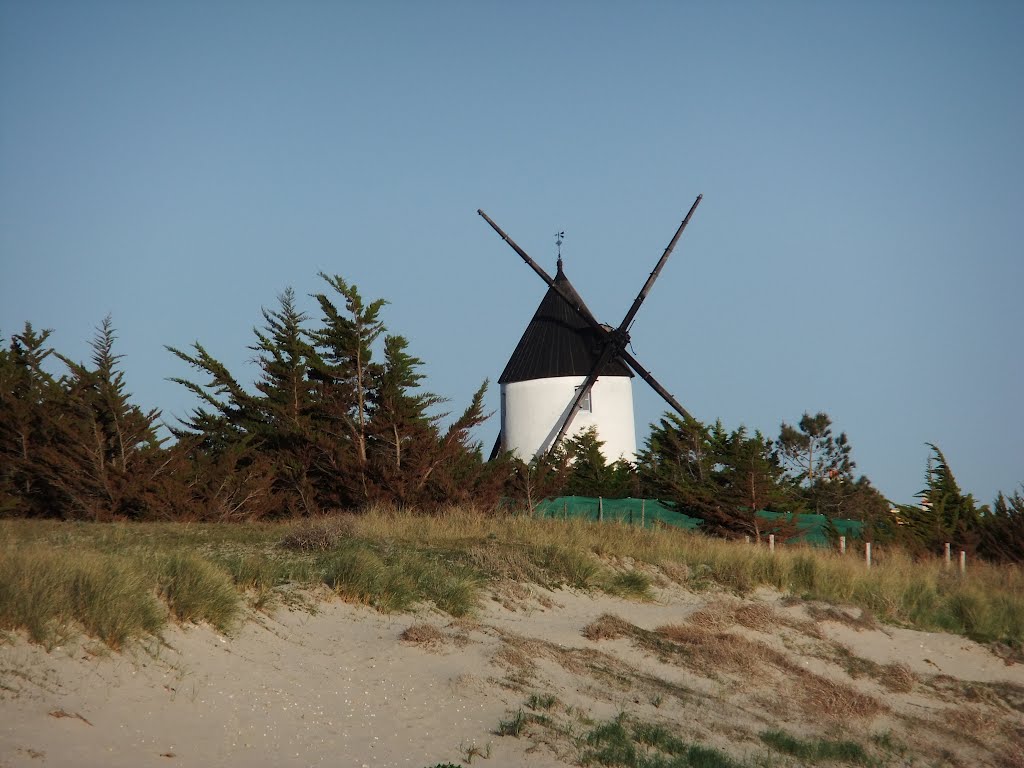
(858, 250)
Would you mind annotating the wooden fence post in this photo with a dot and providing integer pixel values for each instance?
(867, 553)
(771, 542)
(600, 509)
(963, 561)
(643, 510)
(842, 545)
(948, 560)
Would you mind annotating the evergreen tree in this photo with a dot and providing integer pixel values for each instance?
(720, 477)
(29, 398)
(1002, 530)
(751, 479)
(398, 414)
(812, 453)
(590, 474)
(228, 414)
(945, 514)
(543, 477)
(286, 403)
(346, 371)
(106, 452)
(678, 461)
(819, 462)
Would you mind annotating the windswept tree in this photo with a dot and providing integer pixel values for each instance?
(399, 412)
(29, 403)
(678, 461)
(751, 479)
(346, 372)
(330, 425)
(105, 453)
(724, 478)
(1001, 531)
(945, 513)
(286, 405)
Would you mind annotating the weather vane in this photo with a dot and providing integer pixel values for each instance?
(558, 242)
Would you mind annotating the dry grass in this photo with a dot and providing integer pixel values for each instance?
(606, 627)
(987, 605)
(318, 534)
(897, 677)
(423, 634)
(977, 723)
(756, 665)
(833, 699)
(864, 620)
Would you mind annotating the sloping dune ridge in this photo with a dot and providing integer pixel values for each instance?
(537, 677)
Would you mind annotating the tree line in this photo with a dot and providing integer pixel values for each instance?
(338, 419)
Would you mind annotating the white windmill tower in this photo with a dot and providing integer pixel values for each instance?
(570, 373)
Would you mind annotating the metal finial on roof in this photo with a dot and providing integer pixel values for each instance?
(558, 241)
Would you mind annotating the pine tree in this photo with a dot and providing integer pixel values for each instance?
(812, 452)
(451, 469)
(818, 461)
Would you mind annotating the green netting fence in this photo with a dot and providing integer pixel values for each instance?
(646, 512)
(814, 529)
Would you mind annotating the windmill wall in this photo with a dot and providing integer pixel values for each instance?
(532, 412)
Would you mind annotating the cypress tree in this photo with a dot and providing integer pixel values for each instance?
(106, 452)
(29, 398)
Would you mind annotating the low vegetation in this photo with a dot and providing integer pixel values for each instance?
(117, 581)
(338, 416)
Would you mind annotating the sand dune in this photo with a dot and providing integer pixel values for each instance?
(347, 686)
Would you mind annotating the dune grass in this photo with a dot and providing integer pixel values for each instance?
(814, 751)
(636, 744)
(45, 591)
(122, 580)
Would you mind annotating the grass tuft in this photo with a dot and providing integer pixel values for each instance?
(817, 750)
(197, 590)
(50, 593)
(636, 744)
(632, 584)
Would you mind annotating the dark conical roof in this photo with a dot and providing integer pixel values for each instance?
(558, 342)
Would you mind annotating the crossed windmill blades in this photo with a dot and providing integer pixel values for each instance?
(613, 340)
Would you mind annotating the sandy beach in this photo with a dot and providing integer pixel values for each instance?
(339, 684)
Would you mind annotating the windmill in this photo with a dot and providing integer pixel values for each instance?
(571, 372)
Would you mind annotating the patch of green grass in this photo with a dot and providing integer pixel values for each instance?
(632, 584)
(538, 701)
(635, 744)
(514, 726)
(817, 750)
